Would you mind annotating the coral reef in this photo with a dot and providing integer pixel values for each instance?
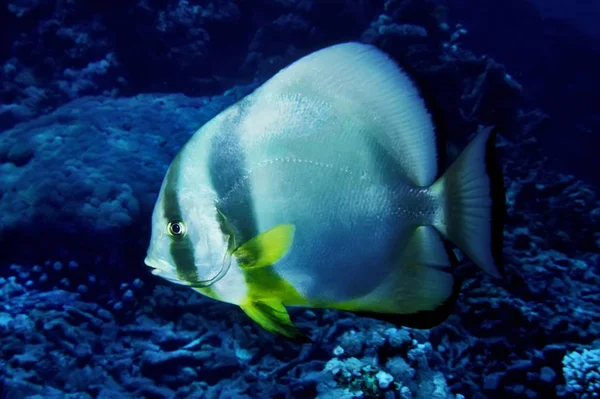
(175, 343)
(582, 374)
(92, 169)
(56, 50)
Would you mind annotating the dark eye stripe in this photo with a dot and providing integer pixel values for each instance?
(181, 248)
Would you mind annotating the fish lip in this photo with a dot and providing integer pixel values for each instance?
(152, 263)
(155, 264)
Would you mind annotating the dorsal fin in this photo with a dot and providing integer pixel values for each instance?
(365, 79)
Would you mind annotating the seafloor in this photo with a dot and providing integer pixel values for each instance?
(97, 97)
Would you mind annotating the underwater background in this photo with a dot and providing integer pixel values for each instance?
(96, 98)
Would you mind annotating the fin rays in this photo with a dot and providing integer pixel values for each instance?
(272, 316)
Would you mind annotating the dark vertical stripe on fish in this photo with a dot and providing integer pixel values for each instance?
(228, 178)
(181, 248)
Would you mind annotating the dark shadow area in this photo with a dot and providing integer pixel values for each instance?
(558, 67)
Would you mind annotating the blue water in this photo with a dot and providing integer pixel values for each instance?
(96, 98)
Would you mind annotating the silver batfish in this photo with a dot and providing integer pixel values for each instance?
(323, 189)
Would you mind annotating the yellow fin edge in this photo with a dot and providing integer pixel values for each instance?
(266, 248)
(273, 317)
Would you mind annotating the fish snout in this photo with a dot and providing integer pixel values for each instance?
(156, 265)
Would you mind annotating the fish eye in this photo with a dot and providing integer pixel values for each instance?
(176, 228)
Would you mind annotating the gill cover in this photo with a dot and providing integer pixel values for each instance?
(188, 268)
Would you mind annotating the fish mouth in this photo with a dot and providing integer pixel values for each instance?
(155, 265)
(158, 269)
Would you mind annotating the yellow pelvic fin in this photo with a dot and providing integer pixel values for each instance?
(271, 315)
(266, 248)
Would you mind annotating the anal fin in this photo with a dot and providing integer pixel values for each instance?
(421, 291)
(272, 316)
(426, 247)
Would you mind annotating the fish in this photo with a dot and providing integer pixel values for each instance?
(326, 188)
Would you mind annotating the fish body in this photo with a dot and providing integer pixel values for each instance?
(323, 189)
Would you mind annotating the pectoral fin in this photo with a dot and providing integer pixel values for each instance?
(266, 248)
(274, 318)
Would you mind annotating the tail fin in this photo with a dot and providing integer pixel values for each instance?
(474, 204)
